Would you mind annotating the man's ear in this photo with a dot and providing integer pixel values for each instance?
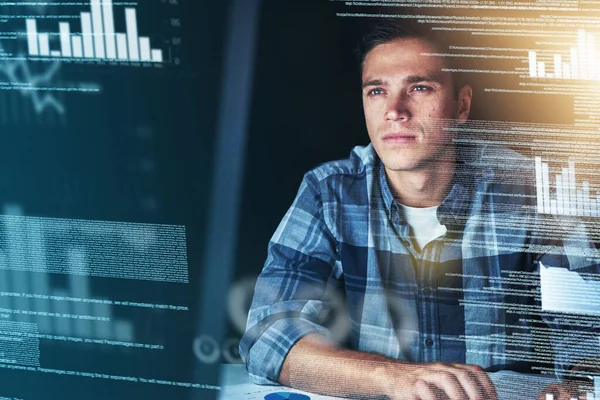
(464, 104)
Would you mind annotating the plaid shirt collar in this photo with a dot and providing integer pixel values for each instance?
(469, 174)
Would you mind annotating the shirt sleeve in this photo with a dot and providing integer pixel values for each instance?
(289, 299)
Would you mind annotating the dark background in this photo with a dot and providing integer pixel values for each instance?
(306, 110)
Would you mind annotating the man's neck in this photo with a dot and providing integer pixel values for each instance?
(422, 188)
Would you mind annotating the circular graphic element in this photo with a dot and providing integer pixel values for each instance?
(286, 396)
(206, 349)
(231, 352)
(239, 300)
(334, 315)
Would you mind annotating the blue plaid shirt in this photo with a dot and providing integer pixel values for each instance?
(343, 263)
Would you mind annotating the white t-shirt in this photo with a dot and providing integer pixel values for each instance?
(424, 223)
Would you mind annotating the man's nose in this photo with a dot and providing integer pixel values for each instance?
(398, 108)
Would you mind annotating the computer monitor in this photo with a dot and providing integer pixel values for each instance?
(109, 121)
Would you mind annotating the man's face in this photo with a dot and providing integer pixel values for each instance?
(408, 102)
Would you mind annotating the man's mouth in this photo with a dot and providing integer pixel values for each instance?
(399, 138)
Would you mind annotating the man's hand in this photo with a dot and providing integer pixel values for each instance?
(567, 390)
(437, 381)
(316, 365)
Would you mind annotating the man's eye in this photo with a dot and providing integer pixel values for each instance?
(421, 88)
(375, 92)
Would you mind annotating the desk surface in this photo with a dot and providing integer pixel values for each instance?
(510, 385)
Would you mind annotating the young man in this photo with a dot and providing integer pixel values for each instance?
(416, 231)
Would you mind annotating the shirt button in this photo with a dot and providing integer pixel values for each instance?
(426, 290)
(429, 342)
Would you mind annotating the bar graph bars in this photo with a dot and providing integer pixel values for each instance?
(582, 64)
(566, 198)
(70, 311)
(97, 39)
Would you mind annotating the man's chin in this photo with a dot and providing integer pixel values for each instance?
(403, 166)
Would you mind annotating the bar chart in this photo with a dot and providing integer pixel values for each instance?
(580, 62)
(97, 39)
(566, 198)
(70, 311)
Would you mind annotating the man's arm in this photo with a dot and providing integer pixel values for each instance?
(318, 366)
(285, 341)
(292, 289)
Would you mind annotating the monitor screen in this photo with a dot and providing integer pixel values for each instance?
(107, 125)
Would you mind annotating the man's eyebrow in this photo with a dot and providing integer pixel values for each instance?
(373, 82)
(421, 78)
(409, 79)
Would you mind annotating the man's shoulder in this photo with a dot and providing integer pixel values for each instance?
(359, 163)
(506, 165)
(344, 184)
(496, 154)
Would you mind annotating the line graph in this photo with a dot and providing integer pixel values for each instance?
(19, 73)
